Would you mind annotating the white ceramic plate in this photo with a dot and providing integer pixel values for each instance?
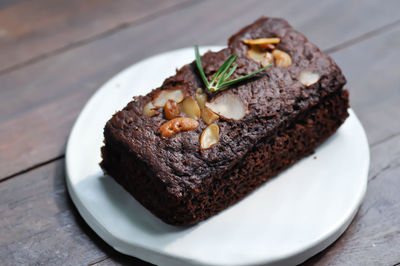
(285, 221)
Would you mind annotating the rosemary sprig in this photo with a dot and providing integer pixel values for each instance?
(220, 79)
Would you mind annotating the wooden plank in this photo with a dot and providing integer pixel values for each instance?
(374, 236)
(30, 30)
(38, 228)
(372, 70)
(5, 3)
(39, 224)
(44, 86)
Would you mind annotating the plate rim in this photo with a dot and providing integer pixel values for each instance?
(154, 255)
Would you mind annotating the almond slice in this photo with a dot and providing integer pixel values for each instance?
(282, 59)
(265, 58)
(190, 108)
(262, 41)
(209, 137)
(208, 116)
(267, 46)
(308, 78)
(163, 96)
(255, 54)
(201, 98)
(268, 59)
(228, 105)
(149, 110)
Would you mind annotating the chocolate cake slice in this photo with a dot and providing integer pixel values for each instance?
(186, 152)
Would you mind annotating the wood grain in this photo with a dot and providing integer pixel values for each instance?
(37, 217)
(30, 30)
(40, 101)
(372, 70)
(45, 86)
(5, 3)
(374, 236)
(40, 226)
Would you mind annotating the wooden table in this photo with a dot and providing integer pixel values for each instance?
(55, 54)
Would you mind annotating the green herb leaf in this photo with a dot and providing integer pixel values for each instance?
(199, 66)
(231, 82)
(223, 73)
(220, 69)
(221, 76)
(230, 72)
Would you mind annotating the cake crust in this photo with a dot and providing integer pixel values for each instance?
(286, 120)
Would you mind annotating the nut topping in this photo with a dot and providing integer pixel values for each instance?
(177, 125)
(209, 137)
(282, 59)
(267, 46)
(163, 96)
(255, 54)
(201, 98)
(228, 105)
(191, 108)
(149, 110)
(267, 59)
(171, 109)
(308, 78)
(208, 116)
(259, 52)
(262, 41)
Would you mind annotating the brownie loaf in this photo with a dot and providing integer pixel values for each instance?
(286, 118)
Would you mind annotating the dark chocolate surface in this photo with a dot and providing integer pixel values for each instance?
(274, 98)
